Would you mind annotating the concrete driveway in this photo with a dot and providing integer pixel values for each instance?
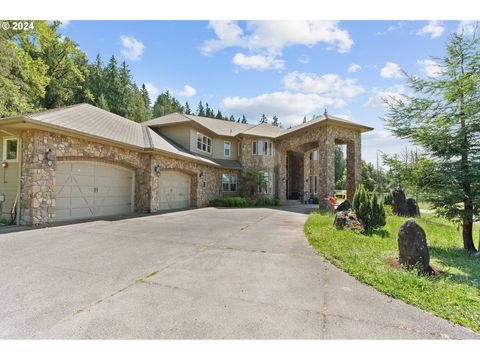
(205, 273)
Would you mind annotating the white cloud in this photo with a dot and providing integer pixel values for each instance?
(469, 27)
(429, 67)
(304, 59)
(258, 62)
(379, 96)
(433, 29)
(289, 107)
(273, 36)
(354, 68)
(391, 70)
(395, 27)
(152, 90)
(328, 84)
(132, 48)
(188, 91)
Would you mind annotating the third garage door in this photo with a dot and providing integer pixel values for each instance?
(174, 190)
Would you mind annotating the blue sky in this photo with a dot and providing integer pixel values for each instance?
(290, 69)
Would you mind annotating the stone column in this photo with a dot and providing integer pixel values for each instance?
(354, 165)
(306, 173)
(282, 175)
(326, 177)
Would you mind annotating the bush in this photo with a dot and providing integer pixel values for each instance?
(388, 199)
(238, 201)
(368, 209)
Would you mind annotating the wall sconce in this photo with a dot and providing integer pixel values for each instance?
(201, 174)
(49, 157)
(157, 170)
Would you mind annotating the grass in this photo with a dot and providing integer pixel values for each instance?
(453, 295)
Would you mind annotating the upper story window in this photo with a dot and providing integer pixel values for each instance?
(204, 143)
(262, 147)
(10, 149)
(227, 148)
(314, 155)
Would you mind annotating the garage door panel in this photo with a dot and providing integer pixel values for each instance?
(87, 190)
(174, 190)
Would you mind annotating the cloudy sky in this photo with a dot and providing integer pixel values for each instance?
(290, 69)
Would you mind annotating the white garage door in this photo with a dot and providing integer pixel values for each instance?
(89, 189)
(174, 190)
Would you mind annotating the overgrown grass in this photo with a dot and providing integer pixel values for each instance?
(453, 295)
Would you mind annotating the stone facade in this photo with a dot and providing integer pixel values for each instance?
(41, 150)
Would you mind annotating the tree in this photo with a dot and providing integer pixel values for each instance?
(442, 116)
(340, 163)
(368, 209)
(219, 115)
(252, 182)
(231, 118)
(264, 119)
(187, 110)
(368, 176)
(275, 121)
(200, 109)
(209, 112)
(166, 104)
(244, 120)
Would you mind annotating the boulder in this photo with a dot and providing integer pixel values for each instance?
(344, 206)
(348, 220)
(399, 203)
(412, 246)
(412, 208)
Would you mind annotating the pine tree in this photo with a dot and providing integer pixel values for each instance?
(304, 119)
(102, 103)
(263, 119)
(219, 115)
(231, 118)
(114, 89)
(187, 109)
(244, 119)
(200, 109)
(275, 121)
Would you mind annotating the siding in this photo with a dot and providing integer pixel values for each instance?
(9, 181)
(217, 145)
(179, 134)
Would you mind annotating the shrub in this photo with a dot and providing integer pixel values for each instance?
(368, 209)
(238, 201)
(388, 199)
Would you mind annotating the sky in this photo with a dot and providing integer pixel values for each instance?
(290, 69)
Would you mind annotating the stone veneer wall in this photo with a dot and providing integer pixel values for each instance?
(37, 198)
(326, 136)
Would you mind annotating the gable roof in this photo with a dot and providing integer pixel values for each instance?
(218, 127)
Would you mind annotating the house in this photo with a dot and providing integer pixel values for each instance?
(81, 162)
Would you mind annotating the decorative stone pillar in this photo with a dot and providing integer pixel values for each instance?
(306, 173)
(326, 157)
(354, 165)
(282, 175)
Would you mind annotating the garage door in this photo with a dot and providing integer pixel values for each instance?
(89, 189)
(174, 190)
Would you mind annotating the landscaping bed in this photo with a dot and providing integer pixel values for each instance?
(238, 201)
(454, 294)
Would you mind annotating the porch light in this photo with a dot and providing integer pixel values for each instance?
(157, 170)
(49, 157)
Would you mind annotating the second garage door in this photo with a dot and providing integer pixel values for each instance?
(90, 189)
(174, 190)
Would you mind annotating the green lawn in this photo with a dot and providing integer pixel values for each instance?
(454, 295)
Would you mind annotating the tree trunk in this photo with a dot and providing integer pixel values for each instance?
(468, 236)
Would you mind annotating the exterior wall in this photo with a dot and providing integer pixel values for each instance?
(37, 200)
(218, 148)
(180, 134)
(9, 180)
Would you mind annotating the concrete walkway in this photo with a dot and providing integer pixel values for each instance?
(198, 274)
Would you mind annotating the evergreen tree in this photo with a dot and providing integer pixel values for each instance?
(187, 110)
(442, 116)
(304, 119)
(340, 163)
(166, 104)
(263, 119)
(200, 109)
(102, 103)
(219, 115)
(114, 87)
(275, 121)
(231, 118)
(244, 119)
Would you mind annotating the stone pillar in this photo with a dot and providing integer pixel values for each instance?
(306, 173)
(326, 157)
(282, 175)
(354, 165)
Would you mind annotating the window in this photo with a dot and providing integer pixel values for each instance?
(229, 183)
(204, 143)
(10, 149)
(262, 147)
(266, 186)
(314, 155)
(227, 148)
(313, 184)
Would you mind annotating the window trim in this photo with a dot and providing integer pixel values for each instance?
(229, 149)
(255, 147)
(230, 183)
(4, 153)
(206, 144)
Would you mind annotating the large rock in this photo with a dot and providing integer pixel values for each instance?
(348, 220)
(412, 246)
(412, 208)
(344, 206)
(399, 203)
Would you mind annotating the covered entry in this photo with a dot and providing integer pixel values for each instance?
(174, 190)
(86, 189)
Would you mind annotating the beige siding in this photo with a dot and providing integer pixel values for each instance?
(9, 181)
(217, 145)
(179, 134)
